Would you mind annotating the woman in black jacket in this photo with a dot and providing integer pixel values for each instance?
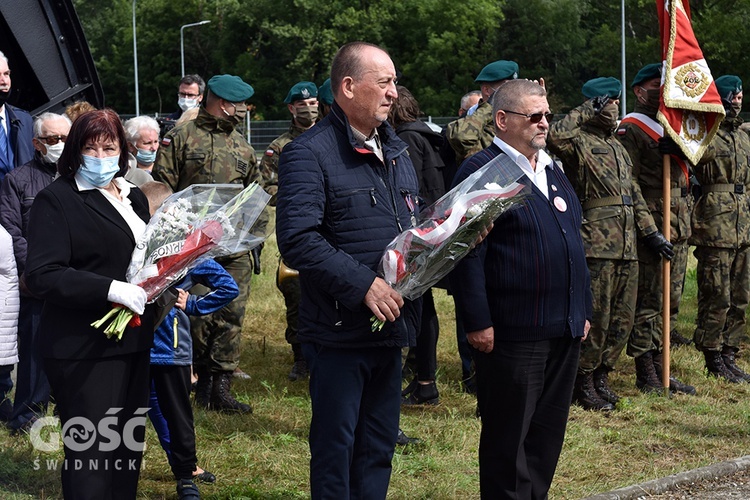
(82, 231)
(424, 151)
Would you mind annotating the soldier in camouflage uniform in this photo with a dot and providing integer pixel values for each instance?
(640, 133)
(721, 234)
(471, 134)
(302, 101)
(208, 150)
(613, 209)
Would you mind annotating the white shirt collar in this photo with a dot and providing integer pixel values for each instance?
(538, 176)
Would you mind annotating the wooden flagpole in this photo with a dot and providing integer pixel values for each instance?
(666, 270)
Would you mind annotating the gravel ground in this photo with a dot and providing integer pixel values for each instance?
(735, 486)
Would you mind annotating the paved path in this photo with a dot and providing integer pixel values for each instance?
(723, 480)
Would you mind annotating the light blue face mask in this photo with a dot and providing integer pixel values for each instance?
(145, 156)
(99, 171)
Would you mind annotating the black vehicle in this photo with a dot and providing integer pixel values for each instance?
(49, 58)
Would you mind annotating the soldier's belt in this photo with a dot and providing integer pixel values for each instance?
(608, 201)
(674, 193)
(723, 188)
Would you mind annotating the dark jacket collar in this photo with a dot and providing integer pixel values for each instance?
(392, 145)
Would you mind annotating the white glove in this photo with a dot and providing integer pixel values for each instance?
(131, 296)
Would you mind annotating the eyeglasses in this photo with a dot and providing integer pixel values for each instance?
(534, 117)
(187, 96)
(51, 140)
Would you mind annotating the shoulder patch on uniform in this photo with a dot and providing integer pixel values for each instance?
(242, 166)
(270, 152)
(166, 141)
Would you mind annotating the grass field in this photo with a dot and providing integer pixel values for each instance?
(265, 455)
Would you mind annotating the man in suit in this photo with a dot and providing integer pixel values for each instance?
(16, 147)
(527, 298)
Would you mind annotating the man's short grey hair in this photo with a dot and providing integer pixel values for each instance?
(3, 56)
(191, 79)
(510, 94)
(46, 117)
(348, 62)
(465, 99)
(134, 126)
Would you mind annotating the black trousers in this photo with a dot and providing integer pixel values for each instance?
(172, 385)
(523, 391)
(102, 405)
(427, 339)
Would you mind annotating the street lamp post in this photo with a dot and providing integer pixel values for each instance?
(182, 43)
(135, 64)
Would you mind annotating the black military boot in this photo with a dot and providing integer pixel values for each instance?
(203, 387)
(674, 384)
(646, 379)
(677, 340)
(728, 355)
(221, 399)
(299, 368)
(716, 367)
(601, 384)
(585, 395)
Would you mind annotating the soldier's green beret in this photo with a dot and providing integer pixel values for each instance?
(648, 72)
(498, 70)
(325, 94)
(230, 88)
(728, 86)
(605, 85)
(301, 90)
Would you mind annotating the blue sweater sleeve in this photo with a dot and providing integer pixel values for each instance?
(223, 288)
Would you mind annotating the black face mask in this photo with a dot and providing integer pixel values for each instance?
(4, 97)
(652, 100)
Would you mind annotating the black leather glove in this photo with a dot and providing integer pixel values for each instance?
(659, 244)
(255, 252)
(599, 102)
(667, 146)
(695, 187)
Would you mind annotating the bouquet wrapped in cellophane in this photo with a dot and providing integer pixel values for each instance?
(201, 222)
(448, 229)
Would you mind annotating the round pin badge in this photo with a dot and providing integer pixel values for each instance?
(560, 204)
(554, 188)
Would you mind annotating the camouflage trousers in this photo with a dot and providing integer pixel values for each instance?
(217, 336)
(614, 288)
(647, 330)
(723, 276)
(290, 289)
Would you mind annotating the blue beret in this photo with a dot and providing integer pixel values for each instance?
(230, 88)
(605, 85)
(728, 86)
(498, 70)
(300, 91)
(648, 72)
(325, 94)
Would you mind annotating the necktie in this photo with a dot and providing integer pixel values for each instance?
(3, 144)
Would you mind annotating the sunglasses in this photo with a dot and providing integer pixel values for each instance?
(51, 140)
(533, 117)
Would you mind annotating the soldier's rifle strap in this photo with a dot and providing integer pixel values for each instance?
(608, 201)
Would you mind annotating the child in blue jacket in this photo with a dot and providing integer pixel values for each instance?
(171, 357)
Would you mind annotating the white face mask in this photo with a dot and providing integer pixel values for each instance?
(185, 103)
(53, 152)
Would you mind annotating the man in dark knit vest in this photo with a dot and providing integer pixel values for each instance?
(527, 300)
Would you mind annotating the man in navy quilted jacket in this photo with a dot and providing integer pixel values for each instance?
(346, 189)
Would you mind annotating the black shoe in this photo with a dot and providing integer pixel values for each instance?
(222, 399)
(404, 440)
(469, 384)
(728, 355)
(299, 371)
(585, 395)
(204, 477)
(646, 379)
(675, 386)
(716, 367)
(410, 387)
(424, 394)
(677, 340)
(601, 384)
(187, 490)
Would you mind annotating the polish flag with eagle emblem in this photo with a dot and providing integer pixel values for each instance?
(690, 107)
